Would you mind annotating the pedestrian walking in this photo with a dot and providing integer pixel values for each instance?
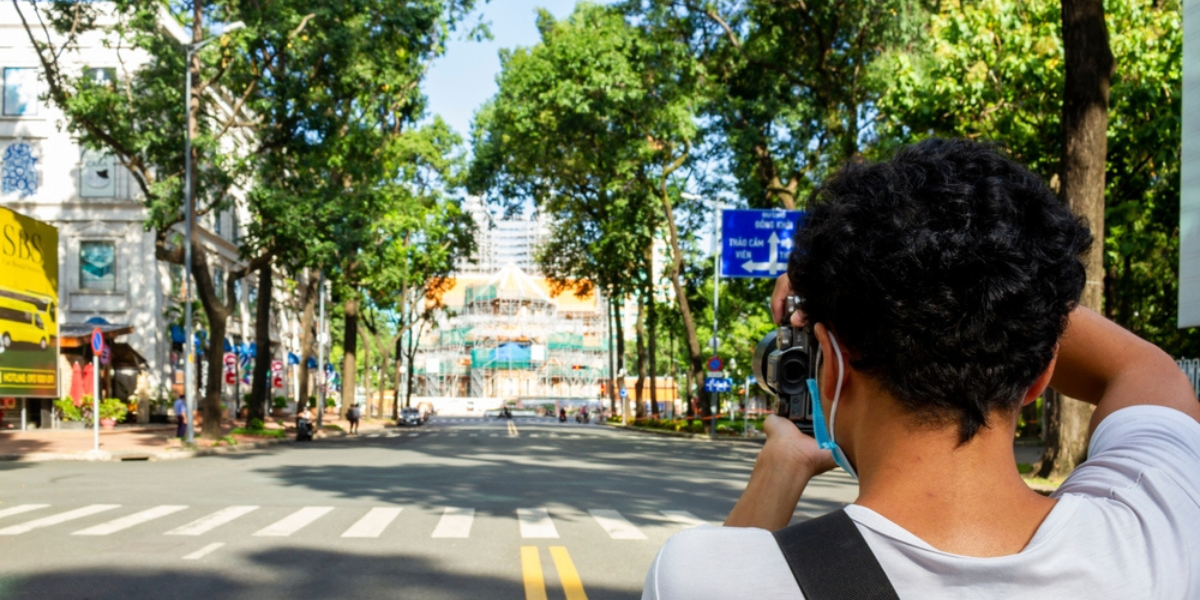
(353, 416)
(180, 417)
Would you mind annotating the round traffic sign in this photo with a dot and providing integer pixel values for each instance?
(277, 365)
(230, 378)
(97, 340)
(230, 359)
(716, 364)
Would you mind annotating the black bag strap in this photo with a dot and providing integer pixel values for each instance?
(831, 560)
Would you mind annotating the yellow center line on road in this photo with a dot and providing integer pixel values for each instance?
(572, 586)
(531, 571)
(512, 429)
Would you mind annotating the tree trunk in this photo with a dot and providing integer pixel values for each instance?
(1089, 68)
(689, 324)
(652, 329)
(307, 318)
(621, 361)
(639, 410)
(612, 372)
(399, 374)
(349, 351)
(259, 386)
(366, 367)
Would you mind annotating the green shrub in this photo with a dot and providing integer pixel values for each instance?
(273, 433)
(279, 402)
(67, 411)
(330, 402)
(255, 424)
(114, 409)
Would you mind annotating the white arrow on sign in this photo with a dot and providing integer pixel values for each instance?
(772, 266)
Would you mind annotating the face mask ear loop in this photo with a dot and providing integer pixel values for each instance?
(837, 393)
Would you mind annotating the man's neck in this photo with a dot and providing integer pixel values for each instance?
(967, 499)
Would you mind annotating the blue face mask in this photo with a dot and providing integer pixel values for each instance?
(824, 434)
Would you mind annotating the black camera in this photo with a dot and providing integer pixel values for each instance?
(783, 362)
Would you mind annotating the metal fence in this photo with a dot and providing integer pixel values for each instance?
(1191, 368)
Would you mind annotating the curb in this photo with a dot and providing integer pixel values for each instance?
(704, 437)
(158, 455)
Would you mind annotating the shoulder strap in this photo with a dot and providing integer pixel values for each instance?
(831, 560)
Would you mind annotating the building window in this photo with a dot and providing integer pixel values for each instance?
(219, 282)
(217, 222)
(97, 175)
(237, 298)
(20, 92)
(19, 171)
(97, 266)
(236, 233)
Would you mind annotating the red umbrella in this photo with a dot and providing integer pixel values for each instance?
(76, 384)
(88, 379)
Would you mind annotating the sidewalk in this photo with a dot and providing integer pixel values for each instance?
(148, 442)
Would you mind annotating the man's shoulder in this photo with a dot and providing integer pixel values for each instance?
(721, 562)
(1137, 444)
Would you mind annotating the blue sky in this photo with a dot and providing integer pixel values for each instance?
(461, 80)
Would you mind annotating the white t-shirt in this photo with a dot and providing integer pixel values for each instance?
(1126, 527)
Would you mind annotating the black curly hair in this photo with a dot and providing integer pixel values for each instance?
(947, 272)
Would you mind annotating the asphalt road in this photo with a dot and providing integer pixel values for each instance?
(457, 509)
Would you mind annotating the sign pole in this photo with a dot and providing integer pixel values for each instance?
(97, 348)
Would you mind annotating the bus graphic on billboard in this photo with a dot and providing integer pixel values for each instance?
(28, 307)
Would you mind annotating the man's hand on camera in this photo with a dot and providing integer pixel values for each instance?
(789, 459)
(783, 289)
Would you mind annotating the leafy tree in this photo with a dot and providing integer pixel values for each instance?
(996, 70)
(790, 93)
(593, 126)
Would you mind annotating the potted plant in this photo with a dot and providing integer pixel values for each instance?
(69, 415)
(111, 411)
(279, 406)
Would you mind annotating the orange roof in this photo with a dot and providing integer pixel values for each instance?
(566, 301)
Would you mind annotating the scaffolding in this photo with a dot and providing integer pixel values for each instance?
(509, 339)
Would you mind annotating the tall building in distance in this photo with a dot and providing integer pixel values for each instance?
(500, 242)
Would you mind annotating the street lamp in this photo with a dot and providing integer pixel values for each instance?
(189, 376)
(716, 245)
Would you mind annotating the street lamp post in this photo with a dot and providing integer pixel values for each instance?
(189, 376)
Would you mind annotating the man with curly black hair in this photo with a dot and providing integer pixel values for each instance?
(943, 288)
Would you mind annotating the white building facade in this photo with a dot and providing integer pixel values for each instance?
(108, 270)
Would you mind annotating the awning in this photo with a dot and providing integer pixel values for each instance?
(77, 335)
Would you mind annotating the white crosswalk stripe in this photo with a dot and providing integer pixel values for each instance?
(536, 523)
(617, 527)
(128, 521)
(294, 522)
(20, 509)
(201, 553)
(70, 515)
(684, 517)
(210, 522)
(373, 523)
(455, 523)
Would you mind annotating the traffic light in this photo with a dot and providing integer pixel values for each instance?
(576, 367)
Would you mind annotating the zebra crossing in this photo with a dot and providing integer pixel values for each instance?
(454, 522)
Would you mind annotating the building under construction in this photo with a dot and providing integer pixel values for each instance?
(508, 338)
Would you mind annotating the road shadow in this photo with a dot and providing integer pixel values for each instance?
(495, 475)
(287, 574)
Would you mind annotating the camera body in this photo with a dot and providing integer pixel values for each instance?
(784, 361)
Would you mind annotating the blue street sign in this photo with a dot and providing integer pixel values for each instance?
(756, 243)
(624, 392)
(97, 340)
(718, 384)
(715, 363)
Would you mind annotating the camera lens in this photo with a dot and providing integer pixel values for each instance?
(792, 371)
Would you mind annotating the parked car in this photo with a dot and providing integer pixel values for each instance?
(410, 417)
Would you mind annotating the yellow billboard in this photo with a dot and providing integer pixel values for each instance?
(28, 307)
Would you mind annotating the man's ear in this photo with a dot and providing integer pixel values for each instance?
(1042, 382)
(828, 376)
